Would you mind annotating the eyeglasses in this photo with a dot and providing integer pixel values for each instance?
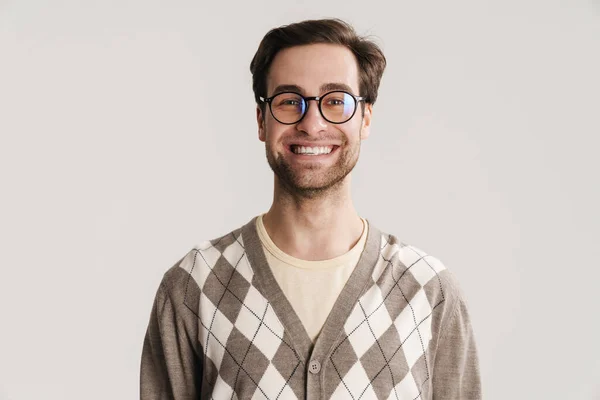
(336, 107)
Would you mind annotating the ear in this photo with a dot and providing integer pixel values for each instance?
(260, 120)
(366, 122)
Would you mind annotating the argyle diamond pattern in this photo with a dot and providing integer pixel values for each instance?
(249, 353)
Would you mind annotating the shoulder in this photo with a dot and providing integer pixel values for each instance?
(417, 268)
(185, 279)
(425, 268)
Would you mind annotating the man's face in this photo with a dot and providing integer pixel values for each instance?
(315, 69)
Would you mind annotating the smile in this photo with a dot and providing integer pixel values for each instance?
(302, 152)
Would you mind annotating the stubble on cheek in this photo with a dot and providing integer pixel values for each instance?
(312, 179)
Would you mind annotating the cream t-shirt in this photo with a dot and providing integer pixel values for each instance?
(311, 287)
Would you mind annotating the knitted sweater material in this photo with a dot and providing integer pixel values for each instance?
(221, 328)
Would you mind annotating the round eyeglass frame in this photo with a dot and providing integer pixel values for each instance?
(318, 99)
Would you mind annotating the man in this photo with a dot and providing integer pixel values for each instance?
(310, 300)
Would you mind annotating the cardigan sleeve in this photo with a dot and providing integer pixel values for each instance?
(456, 370)
(170, 368)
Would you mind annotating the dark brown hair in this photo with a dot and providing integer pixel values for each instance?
(370, 58)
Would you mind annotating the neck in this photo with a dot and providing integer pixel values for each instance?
(317, 228)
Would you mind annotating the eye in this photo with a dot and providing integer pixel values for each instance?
(335, 102)
(287, 101)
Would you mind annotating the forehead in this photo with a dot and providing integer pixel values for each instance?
(312, 66)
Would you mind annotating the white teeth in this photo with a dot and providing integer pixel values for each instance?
(311, 150)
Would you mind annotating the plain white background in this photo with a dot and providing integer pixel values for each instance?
(128, 135)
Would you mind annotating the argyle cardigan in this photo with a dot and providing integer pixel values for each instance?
(221, 328)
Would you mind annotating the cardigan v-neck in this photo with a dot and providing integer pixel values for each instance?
(312, 287)
(333, 327)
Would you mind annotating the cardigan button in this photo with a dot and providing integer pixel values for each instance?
(314, 367)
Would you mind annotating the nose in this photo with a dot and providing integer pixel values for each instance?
(312, 122)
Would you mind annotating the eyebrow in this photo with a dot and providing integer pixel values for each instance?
(327, 87)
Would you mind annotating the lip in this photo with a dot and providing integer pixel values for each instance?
(310, 157)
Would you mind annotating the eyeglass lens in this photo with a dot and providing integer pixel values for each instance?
(336, 107)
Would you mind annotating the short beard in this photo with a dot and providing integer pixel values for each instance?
(288, 178)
